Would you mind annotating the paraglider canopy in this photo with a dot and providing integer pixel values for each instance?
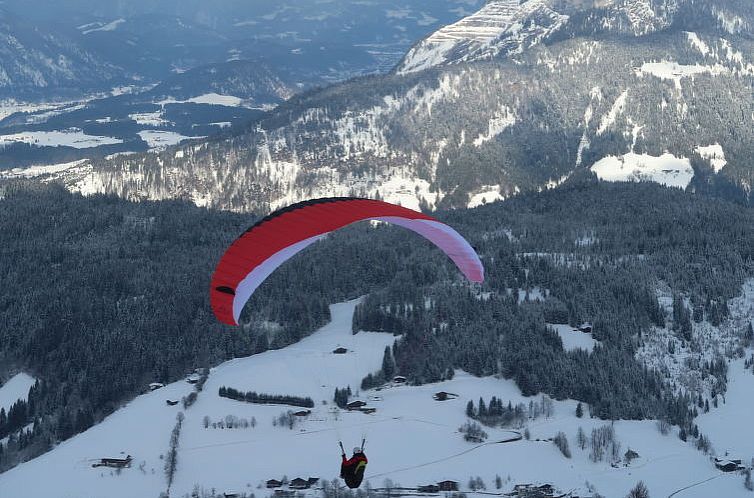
(282, 234)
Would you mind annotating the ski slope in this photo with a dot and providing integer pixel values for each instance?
(411, 439)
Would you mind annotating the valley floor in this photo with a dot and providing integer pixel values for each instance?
(411, 438)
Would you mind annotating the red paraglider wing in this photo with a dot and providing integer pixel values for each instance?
(279, 236)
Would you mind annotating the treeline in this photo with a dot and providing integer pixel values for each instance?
(265, 399)
(495, 412)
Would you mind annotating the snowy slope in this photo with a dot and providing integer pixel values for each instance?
(733, 418)
(501, 26)
(142, 429)
(411, 439)
(16, 388)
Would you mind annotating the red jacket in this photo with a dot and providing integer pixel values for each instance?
(354, 460)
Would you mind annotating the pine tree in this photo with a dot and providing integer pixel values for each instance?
(579, 410)
(581, 439)
(470, 412)
(482, 408)
(388, 364)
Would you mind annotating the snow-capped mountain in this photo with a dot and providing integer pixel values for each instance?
(628, 90)
(507, 27)
(35, 60)
(501, 27)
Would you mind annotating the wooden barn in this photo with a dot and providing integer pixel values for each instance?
(728, 465)
(299, 483)
(340, 350)
(355, 405)
(273, 483)
(430, 488)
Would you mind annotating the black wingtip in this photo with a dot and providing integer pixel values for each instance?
(226, 290)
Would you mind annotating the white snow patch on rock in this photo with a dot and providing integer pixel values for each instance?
(617, 109)
(698, 43)
(502, 119)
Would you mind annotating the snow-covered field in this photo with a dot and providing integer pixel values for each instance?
(149, 118)
(411, 439)
(666, 169)
(207, 98)
(675, 72)
(731, 423)
(73, 137)
(158, 139)
(8, 107)
(574, 339)
(16, 388)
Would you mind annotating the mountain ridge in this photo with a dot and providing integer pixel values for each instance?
(455, 135)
